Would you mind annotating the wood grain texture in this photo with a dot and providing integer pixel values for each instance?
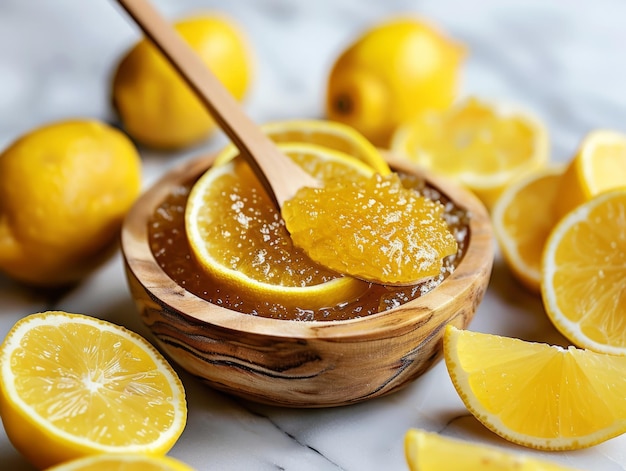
(299, 363)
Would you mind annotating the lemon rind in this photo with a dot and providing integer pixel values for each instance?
(527, 275)
(492, 421)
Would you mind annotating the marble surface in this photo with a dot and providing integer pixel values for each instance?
(565, 60)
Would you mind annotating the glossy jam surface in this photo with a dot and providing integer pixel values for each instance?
(374, 229)
(168, 242)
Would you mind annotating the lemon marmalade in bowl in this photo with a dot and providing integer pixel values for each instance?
(170, 246)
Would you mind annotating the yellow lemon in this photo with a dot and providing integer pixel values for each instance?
(426, 451)
(583, 282)
(73, 385)
(485, 146)
(390, 74)
(331, 134)
(598, 166)
(538, 395)
(237, 235)
(121, 462)
(156, 106)
(320, 132)
(64, 190)
(522, 218)
(381, 231)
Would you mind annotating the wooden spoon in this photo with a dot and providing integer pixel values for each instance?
(278, 173)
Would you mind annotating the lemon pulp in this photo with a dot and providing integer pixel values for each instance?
(73, 385)
(374, 229)
(483, 146)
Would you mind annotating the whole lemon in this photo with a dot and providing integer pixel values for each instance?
(391, 73)
(64, 190)
(155, 105)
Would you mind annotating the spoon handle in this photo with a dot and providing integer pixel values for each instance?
(279, 174)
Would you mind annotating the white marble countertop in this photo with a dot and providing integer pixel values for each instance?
(565, 60)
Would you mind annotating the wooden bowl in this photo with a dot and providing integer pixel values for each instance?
(302, 363)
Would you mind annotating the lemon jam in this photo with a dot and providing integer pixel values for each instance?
(171, 249)
(374, 229)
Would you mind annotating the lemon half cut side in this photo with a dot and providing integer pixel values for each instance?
(73, 385)
(522, 219)
(598, 166)
(584, 274)
(482, 145)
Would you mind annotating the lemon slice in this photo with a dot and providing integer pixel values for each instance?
(426, 451)
(121, 462)
(598, 166)
(584, 274)
(237, 235)
(522, 219)
(481, 145)
(538, 395)
(73, 385)
(329, 134)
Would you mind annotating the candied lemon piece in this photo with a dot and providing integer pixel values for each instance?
(374, 229)
(319, 132)
(237, 235)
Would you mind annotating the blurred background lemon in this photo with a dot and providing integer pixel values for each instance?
(390, 74)
(484, 145)
(154, 104)
(64, 190)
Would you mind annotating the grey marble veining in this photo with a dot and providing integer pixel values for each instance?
(564, 60)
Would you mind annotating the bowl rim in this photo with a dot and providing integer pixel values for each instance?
(140, 263)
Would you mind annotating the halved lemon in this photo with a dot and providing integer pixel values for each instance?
(72, 385)
(483, 146)
(122, 462)
(584, 274)
(535, 394)
(522, 219)
(238, 236)
(427, 451)
(329, 134)
(598, 166)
